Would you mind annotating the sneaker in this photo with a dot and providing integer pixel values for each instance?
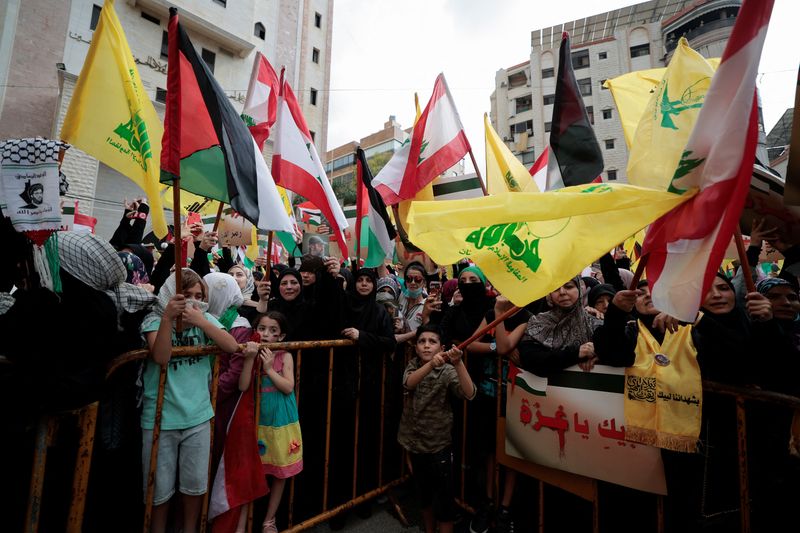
(482, 519)
(504, 521)
(269, 527)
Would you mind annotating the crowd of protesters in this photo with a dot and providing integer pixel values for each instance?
(406, 323)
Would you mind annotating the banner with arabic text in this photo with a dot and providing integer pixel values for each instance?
(574, 421)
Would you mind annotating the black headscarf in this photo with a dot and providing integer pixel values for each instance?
(359, 306)
(461, 321)
(369, 317)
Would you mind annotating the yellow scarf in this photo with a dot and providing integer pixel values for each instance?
(664, 391)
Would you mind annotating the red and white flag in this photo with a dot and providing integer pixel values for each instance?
(437, 143)
(539, 170)
(261, 104)
(685, 246)
(296, 165)
(240, 475)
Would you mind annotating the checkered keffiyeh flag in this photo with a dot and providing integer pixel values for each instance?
(94, 262)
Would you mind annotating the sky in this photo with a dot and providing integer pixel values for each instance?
(385, 50)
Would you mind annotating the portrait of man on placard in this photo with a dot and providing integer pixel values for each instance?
(315, 244)
(33, 195)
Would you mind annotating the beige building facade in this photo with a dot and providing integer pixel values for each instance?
(603, 46)
(38, 76)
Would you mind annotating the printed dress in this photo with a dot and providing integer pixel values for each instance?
(280, 443)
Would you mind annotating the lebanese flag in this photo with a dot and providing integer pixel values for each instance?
(686, 246)
(378, 233)
(576, 158)
(437, 143)
(207, 145)
(240, 475)
(539, 170)
(261, 104)
(297, 166)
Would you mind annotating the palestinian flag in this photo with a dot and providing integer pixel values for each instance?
(207, 146)
(576, 156)
(377, 234)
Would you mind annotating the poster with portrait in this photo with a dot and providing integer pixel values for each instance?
(316, 244)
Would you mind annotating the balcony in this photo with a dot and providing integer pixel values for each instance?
(692, 31)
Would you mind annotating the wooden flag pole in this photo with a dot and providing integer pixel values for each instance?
(478, 172)
(745, 266)
(219, 216)
(176, 221)
(359, 200)
(480, 333)
(269, 253)
(639, 271)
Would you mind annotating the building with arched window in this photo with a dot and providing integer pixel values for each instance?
(604, 46)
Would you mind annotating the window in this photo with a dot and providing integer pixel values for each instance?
(548, 73)
(315, 55)
(580, 59)
(611, 174)
(523, 103)
(640, 50)
(602, 55)
(522, 127)
(518, 79)
(260, 31)
(161, 95)
(609, 144)
(527, 158)
(606, 114)
(95, 16)
(590, 113)
(210, 58)
(585, 85)
(313, 136)
(150, 18)
(547, 126)
(313, 95)
(223, 3)
(317, 20)
(164, 45)
(548, 99)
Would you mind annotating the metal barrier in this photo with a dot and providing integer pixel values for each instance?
(298, 347)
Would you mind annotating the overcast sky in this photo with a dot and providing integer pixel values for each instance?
(384, 51)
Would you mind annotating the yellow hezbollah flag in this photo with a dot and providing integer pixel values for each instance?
(529, 244)
(632, 93)
(504, 172)
(110, 116)
(190, 203)
(669, 118)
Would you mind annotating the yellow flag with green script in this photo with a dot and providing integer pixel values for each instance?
(669, 118)
(529, 244)
(111, 117)
(504, 172)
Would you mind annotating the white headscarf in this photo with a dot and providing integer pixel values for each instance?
(224, 293)
(165, 294)
(250, 284)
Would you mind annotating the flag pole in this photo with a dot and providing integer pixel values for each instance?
(359, 202)
(176, 221)
(745, 266)
(639, 271)
(219, 216)
(480, 333)
(269, 252)
(478, 172)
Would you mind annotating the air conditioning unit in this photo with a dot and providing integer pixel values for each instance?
(503, 84)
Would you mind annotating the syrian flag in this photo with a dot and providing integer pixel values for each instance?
(378, 233)
(297, 166)
(685, 247)
(261, 104)
(539, 170)
(207, 145)
(240, 475)
(576, 157)
(437, 143)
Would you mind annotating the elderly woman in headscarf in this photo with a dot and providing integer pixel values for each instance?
(561, 337)
(244, 278)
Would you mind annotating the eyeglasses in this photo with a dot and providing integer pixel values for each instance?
(411, 279)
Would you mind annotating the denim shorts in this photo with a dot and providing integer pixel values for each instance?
(182, 457)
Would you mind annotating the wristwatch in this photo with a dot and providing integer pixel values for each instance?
(493, 346)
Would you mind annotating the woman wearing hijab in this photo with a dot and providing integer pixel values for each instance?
(244, 278)
(412, 301)
(561, 337)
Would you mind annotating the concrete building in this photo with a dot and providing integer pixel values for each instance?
(604, 46)
(43, 46)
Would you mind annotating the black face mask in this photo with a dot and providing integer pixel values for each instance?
(471, 292)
